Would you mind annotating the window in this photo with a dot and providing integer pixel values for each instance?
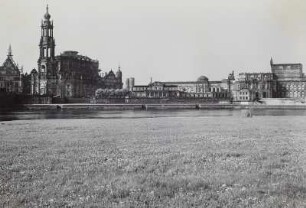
(43, 69)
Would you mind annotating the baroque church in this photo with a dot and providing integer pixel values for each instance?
(69, 74)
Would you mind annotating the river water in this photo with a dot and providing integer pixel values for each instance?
(99, 114)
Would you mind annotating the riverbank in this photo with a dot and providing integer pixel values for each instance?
(161, 106)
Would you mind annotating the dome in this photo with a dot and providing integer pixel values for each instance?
(202, 79)
(47, 16)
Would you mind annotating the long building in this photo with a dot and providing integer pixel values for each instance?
(201, 88)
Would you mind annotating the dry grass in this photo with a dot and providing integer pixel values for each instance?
(154, 162)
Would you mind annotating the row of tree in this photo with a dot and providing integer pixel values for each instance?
(111, 93)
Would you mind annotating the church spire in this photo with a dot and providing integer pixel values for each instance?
(271, 61)
(47, 15)
(9, 51)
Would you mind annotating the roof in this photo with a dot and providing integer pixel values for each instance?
(140, 86)
(10, 66)
(170, 85)
(74, 55)
(186, 82)
(34, 71)
(202, 79)
(287, 64)
(215, 82)
(255, 73)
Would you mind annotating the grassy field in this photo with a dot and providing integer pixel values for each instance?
(154, 162)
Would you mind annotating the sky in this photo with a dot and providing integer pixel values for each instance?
(168, 40)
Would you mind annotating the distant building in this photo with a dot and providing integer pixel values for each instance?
(155, 90)
(10, 75)
(287, 72)
(290, 80)
(68, 75)
(130, 83)
(201, 88)
(111, 80)
(77, 76)
(284, 81)
(250, 86)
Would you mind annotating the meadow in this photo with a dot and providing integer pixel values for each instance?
(225, 161)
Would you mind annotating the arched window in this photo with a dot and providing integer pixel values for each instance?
(43, 68)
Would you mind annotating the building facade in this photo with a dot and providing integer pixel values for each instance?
(253, 86)
(285, 81)
(111, 80)
(10, 75)
(130, 83)
(78, 75)
(155, 90)
(201, 88)
(290, 80)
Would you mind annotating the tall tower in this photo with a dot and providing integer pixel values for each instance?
(119, 78)
(46, 61)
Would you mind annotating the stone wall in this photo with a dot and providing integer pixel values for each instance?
(173, 100)
(14, 100)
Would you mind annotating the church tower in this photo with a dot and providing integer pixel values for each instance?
(46, 63)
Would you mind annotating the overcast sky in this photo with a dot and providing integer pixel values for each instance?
(169, 40)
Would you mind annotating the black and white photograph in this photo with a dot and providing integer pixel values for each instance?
(153, 103)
